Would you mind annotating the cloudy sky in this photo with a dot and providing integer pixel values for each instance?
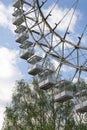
(13, 68)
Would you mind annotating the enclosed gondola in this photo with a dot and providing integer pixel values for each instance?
(26, 53)
(34, 59)
(81, 101)
(20, 29)
(17, 12)
(64, 92)
(18, 3)
(22, 37)
(18, 20)
(47, 82)
(35, 69)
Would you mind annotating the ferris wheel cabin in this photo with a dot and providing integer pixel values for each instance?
(18, 20)
(20, 29)
(35, 69)
(26, 44)
(17, 3)
(81, 101)
(22, 37)
(64, 93)
(26, 53)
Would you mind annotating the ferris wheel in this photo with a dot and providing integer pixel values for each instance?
(48, 42)
(38, 21)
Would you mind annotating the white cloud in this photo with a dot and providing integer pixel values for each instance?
(2, 109)
(6, 16)
(7, 64)
(9, 73)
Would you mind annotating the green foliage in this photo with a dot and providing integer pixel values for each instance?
(34, 109)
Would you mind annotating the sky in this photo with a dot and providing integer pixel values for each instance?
(13, 68)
